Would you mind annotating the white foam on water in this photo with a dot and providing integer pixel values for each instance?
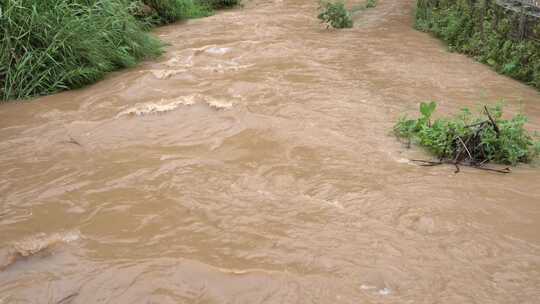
(71, 236)
(228, 66)
(165, 74)
(218, 104)
(180, 60)
(33, 245)
(367, 287)
(217, 50)
(39, 242)
(385, 291)
(166, 105)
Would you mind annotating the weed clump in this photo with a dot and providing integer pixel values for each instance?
(371, 3)
(335, 14)
(470, 139)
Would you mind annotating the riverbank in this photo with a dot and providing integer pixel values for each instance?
(51, 46)
(503, 37)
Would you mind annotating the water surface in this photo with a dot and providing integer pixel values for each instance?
(253, 163)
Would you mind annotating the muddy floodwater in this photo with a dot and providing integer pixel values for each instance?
(253, 163)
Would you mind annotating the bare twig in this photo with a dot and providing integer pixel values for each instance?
(428, 163)
(477, 124)
(69, 298)
(505, 170)
(73, 141)
(466, 149)
(493, 123)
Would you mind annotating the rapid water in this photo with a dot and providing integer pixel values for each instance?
(254, 163)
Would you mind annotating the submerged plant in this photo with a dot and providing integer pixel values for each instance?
(471, 139)
(335, 14)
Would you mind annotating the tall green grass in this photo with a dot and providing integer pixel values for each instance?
(52, 45)
(47, 46)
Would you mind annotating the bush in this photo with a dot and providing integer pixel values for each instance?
(335, 15)
(471, 138)
(52, 45)
(371, 3)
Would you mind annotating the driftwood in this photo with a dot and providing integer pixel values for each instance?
(429, 163)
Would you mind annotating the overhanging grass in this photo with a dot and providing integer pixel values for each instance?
(52, 45)
(159, 12)
(48, 46)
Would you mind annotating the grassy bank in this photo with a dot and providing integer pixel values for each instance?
(48, 46)
(160, 12)
(505, 40)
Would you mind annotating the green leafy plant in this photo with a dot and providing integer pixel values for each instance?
(371, 3)
(471, 139)
(335, 14)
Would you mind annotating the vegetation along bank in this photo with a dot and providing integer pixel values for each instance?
(49, 46)
(502, 34)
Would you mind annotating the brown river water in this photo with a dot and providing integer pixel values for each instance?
(254, 163)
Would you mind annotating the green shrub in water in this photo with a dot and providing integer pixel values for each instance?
(48, 46)
(335, 14)
(504, 141)
(371, 3)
